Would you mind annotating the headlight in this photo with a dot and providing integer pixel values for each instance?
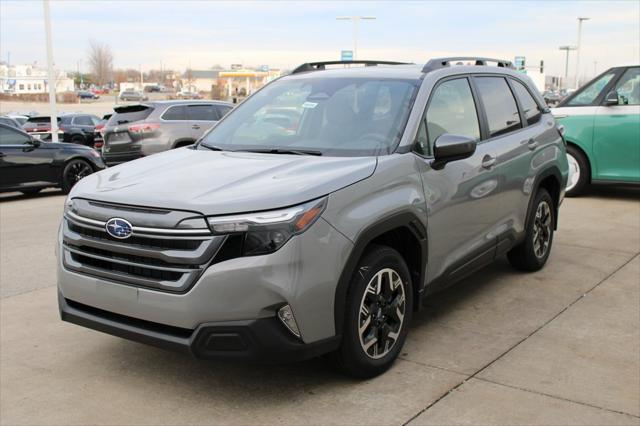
(266, 232)
(68, 204)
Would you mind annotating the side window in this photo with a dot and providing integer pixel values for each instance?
(588, 95)
(530, 108)
(451, 110)
(628, 87)
(83, 120)
(499, 104)
(177, 112)
(11, 137)
(222, 110)
(202, 112)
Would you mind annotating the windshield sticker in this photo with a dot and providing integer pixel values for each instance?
(309, 105)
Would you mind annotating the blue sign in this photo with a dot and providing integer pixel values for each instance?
(346, 55)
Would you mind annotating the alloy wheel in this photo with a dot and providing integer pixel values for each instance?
(381, 314)
(542, 229)
(75, 171)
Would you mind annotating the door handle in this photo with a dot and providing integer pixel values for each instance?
(195, 127)
(532, 144)
(1, 154)
(488, 161)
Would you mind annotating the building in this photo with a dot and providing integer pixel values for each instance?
(199, 80)
(22, 79)
(234, 82)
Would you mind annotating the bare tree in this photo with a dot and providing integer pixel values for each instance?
(100, 61)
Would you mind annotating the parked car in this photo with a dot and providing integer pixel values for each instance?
(187, 94)
(259, 243)
(132, 95)
(602, 129)
(9, 121)
(86, 94)
(73, 127)
(29, 165)
(21, 119)
(98, 140)
(139, 130)
(552, 97)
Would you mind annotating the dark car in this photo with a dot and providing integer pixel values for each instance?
(11, 122)
(85, 94)
(28, 164)
(140, 130)
(75, 128)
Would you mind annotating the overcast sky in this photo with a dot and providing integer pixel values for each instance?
(285, 33)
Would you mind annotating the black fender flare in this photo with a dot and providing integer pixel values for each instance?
(406, 219)
(545, 173)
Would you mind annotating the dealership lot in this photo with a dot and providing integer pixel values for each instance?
(561, 346)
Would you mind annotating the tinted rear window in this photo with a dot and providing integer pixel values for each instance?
(130, 114)
(502, 112)
(41, 119)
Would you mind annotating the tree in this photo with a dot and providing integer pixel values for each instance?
(100, 61)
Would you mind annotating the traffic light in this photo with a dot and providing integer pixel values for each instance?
(541, 67)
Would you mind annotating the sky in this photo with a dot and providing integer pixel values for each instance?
(282, 34)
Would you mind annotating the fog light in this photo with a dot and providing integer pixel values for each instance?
(286, 316)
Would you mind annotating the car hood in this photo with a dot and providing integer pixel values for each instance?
(214, 182)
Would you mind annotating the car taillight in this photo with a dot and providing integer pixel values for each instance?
(140, 129)
(99, 126)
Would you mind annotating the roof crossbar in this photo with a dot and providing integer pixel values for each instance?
(437, 63)
(317, 66)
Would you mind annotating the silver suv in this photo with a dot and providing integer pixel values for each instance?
(318, 214)
(135, 131)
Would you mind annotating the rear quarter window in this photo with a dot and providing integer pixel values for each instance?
(530, 108)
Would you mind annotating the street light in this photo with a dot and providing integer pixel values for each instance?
(580, 19)
(356, 21)
(566, 63)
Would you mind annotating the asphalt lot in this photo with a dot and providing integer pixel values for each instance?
(561, 346)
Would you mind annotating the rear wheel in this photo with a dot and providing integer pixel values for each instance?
(79, 139)
(378, 313)
(579, 172)
(73, 172)
(533, 252)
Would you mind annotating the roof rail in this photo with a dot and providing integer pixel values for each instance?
(317, 66)
(436, 63)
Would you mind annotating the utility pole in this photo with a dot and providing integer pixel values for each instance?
(52, 77)
(566, 63)
(580, 20)
(141, 79)
(356, 21)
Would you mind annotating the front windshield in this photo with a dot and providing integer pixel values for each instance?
(589, 94)
(330, 116)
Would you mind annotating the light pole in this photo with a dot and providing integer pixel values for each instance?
(356, 21)
(580, 19)
(52, 77)
(566, 62)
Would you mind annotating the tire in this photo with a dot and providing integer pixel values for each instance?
(78, 139)
(73, 172)
(31, 191)
(532, 254)
(578, 165)
(357, 355)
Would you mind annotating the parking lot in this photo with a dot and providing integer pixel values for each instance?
(561, 346)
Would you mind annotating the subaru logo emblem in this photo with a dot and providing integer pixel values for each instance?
(119, 228)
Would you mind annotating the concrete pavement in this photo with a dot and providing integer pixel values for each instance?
(561, 346)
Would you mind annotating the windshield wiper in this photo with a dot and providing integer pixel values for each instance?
(285, 151)
(212, 147)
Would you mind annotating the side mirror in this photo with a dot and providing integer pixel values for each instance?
(611, 98)
(450, 147)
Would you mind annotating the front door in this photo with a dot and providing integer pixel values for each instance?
(616, 134)
(463, 197)
(21, 162)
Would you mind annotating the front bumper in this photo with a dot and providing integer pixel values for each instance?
(260, 340)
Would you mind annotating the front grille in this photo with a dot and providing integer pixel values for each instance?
(166, 258)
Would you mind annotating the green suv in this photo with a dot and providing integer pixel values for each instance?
(602, 129)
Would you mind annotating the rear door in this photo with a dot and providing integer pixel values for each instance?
(203, 117)
(616, 133)
(176, 125)
(462, 197)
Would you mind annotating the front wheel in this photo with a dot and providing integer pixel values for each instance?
(533, 252)
(378, 313)
(578, 172)
(73, 172)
